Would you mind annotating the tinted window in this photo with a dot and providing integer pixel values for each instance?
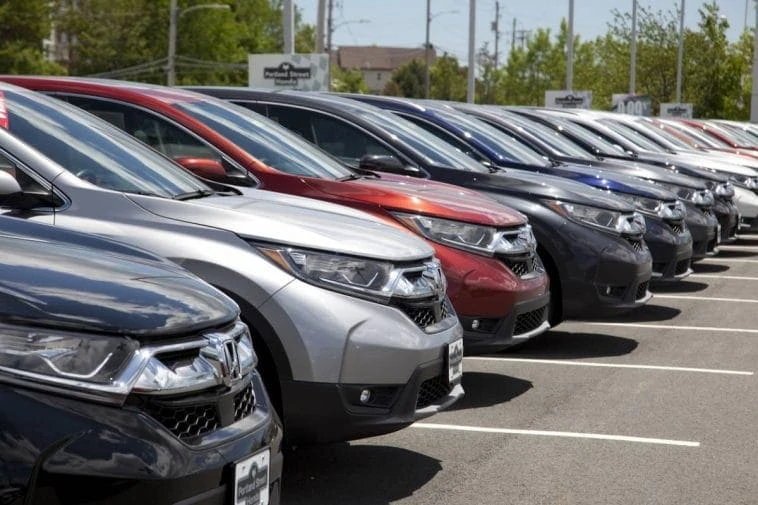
(444, 135)
(92, 149)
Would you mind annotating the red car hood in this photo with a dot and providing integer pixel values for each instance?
(421, 196)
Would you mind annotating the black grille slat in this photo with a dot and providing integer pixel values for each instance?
(677, 227)
(637, 244)
(641, 290)
(529, 321)
(432, 390)
(708, 211)
(244, 402)
(522, 266)
(424, 315)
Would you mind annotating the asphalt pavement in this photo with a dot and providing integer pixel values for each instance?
(655, 407)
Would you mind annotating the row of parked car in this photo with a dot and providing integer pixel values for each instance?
(194, 278)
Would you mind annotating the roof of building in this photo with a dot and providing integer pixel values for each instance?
(379, 57)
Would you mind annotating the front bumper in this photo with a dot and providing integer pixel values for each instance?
(527, 320)
(728, 218)
(57, 450)
(671, 248)
(703, 227)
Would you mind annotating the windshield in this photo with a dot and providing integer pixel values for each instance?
(597, 142)
(674, 141)
(435, 151)
(701, 138)
(560, 143)
(93, 149)
(633, 136)
(733, 132)
(506, 146)
(265, 139)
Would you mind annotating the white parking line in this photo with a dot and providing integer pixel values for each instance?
(706, 298)
(728, 260)
(611, 365)
(564, 434)
(738, 247)
(731, 277)
(672, 327)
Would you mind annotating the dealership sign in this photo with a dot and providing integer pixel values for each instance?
(683, 110)
(308, 72)
(568, 99)
(636, 105)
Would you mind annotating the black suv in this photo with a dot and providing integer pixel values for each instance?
(124, 379)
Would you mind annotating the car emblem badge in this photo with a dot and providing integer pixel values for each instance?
(221, 352)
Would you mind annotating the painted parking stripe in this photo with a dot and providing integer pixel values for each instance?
(673, 327)
(731, 277)
(611, 365)
(728, 260)
(563, 434)
(705, 298)
(739, 247)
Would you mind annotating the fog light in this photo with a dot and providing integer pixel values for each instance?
(365, 395)
(475, 324)
(608, 290)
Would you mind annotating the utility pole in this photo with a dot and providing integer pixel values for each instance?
(288, 26)
(513, 36)
(173, 19)
(754, 93)
(329, 29)
(471, 50)
(496, 29)
(633, 47)
(570, 49)
(679, 54)
(320, 26)
(426, 48)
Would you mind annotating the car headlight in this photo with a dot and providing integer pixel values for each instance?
(649, 206)
(367, 278)
(609, 220)
(725, 190)
(698, 197)
(68, 359)
(486, 240)
(673, 211)
(745, 181)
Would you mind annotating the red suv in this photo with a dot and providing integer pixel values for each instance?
(497, 283)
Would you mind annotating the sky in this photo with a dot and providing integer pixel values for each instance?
(402, 22)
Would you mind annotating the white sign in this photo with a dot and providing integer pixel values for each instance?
(636, 105)
(309, 72)
(683, 110)
(568, 99)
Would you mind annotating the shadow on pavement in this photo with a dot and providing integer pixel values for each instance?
(645, 314)
(709, 268)
(354, 474)
(734, 253)
(747, 240)
(568, 345)
(487, 389)
(678, 287)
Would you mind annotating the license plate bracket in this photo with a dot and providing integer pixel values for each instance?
(455, 361)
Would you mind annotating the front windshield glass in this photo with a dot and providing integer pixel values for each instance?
(735, 133)
(560, 143)
(633, 136)
(93, 149)
(600, 144)
(674, 141)
(701, 138)
(434, 150)
(505, 145)
(265, 139)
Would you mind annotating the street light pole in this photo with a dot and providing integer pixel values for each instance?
(570, 49)
(426, 48)
(679, 55)
(633, 51)
(175, 15)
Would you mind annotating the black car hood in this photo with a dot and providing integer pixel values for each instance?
(63, 287)
(681, 167)
(531, 185)
(642, 170)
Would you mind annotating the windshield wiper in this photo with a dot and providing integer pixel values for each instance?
(191, 195)
(350, 177)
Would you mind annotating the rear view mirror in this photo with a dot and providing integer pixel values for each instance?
(8, 184)
(384, 163)
(206, 168)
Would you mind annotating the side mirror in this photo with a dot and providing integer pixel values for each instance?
(8, 184)
(203, 167)
(385, 163)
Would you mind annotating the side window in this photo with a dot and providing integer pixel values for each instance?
(29, 183)
(149, 128)
(443, 135)
(293, 118)
(260, 108)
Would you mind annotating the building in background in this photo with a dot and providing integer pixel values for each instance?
(377, 63)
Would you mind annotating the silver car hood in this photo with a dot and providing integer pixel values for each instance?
(715, 163)
(294, 222)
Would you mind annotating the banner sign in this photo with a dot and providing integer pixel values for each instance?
(683, 110)
(563, 99)
(636, 105)
(308, 72)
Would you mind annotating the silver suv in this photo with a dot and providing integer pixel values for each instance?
(350, 320)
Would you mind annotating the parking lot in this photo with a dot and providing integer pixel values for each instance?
(654, 407)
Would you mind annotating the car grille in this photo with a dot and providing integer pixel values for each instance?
(188, 420)
(677, 227)
(712, 244)
(431, 391)
(529, 321)
(521, 267)
(682, 267)
(707, 211)
(425, 315)
(637, 244)
(641, 291)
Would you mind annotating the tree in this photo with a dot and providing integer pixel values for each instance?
(448, 79)
(347, 81)
(409, 79)
(24, 24)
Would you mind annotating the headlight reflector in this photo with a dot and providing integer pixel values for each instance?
(608, 220)
(649, 206)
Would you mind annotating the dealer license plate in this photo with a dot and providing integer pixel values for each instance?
(455, 361)
(718, 234)
(251, 479)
